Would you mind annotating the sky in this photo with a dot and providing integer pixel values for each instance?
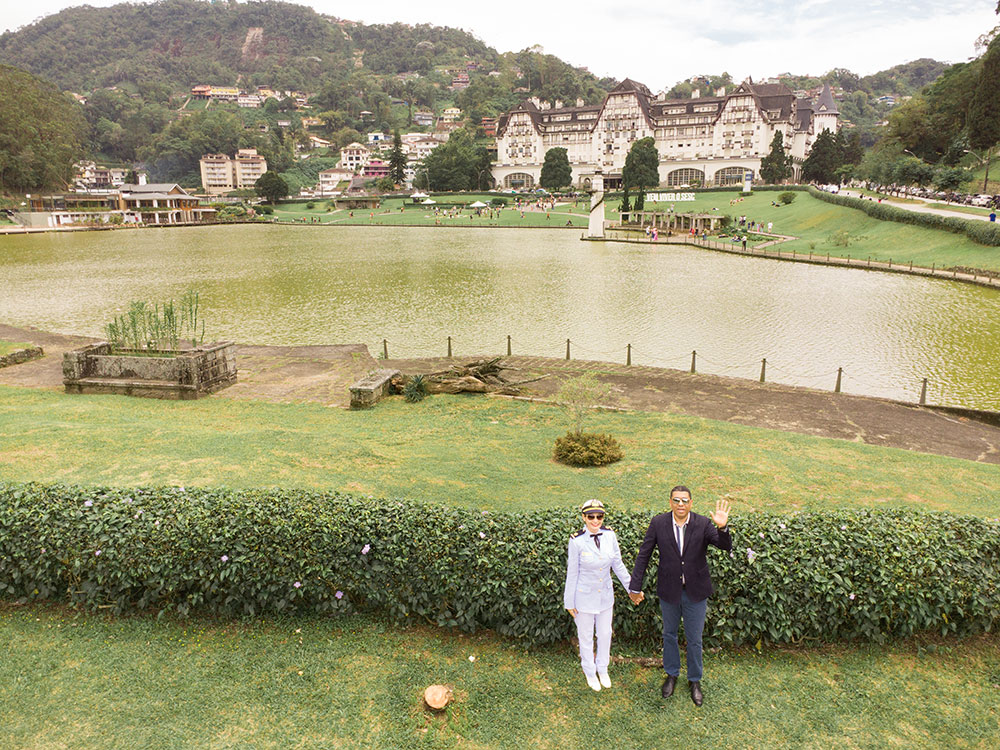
(661, 43)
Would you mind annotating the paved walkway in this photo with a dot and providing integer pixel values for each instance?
(923, 209)
(322, 374)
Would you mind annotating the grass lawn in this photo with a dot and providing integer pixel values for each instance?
(73, 680)
(6, 347)
(817, 224)
(469, 451)
(389, 214)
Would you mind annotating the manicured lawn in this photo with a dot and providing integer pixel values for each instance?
(817, 224)
(81, 681)
(6, 347)
(470, 451)
(390, 214)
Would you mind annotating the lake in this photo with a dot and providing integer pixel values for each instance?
(416, 287)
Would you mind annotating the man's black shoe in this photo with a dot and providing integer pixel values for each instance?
(696, 694)
(668, 686)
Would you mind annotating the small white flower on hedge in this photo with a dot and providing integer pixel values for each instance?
(781, 526)
(761, 535)
(843, 528)
(366, 549)
(482, 535)
(88, 503)
(472, 658)
(97, 553)
(224, 558)
(750, 555)
(339, 595)
(297, 584)
(851, 597)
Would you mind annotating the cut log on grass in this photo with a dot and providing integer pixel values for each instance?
(477, 376)
(437, 697)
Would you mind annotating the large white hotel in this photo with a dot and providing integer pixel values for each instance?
(701, 141)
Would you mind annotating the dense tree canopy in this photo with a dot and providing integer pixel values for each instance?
(41, 132)
(459, 164)
(271, 187)
(556, 171)
(641, 169)
(824, 158)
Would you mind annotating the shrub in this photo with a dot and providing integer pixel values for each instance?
(786, 197)
(263, 209)
(415, 389)
(310, 205)
(867, 574)
(587, 449)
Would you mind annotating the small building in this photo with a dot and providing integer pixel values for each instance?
(422, 118)
(354, 156)
(375, 168)
(330, 180)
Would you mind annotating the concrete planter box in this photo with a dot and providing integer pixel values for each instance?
(182, 374)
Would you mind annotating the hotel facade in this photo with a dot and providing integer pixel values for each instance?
(701, 140)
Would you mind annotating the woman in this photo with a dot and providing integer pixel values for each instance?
(589, 594)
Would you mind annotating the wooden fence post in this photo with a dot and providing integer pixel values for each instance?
(840, 373)
(385, 349)
(694, 354)
(923, 392)
(628, 355)
(449, 347)
(763, 368)
(508, 344)
(567, 348)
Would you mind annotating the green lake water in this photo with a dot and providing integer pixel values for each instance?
(416, 287)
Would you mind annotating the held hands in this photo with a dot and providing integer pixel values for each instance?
(636, 597)
(720, 517)
(572, 612)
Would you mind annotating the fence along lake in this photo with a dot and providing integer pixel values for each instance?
(415, 287)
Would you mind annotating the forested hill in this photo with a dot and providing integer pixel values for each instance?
(181, 43)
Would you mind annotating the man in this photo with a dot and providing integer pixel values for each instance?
(683, 584)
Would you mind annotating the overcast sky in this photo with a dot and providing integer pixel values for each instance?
(662, 43)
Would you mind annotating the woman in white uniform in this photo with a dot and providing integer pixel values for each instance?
(589, 594)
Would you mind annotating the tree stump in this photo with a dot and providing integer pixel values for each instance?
(437, 697)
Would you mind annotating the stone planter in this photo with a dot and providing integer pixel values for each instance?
(21, 355)
(181, 374)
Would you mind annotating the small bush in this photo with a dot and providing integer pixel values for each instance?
(415, 389)
(310, 205)
(786, 197)
(587, 449)
(262, 209)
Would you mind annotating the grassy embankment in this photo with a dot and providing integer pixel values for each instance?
(474, 452)
(84, 681)
(820, 228)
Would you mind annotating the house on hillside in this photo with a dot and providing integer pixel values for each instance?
(221, 174)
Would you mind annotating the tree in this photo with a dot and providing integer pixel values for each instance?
(641, 169)
(397, 159)
(271, 187)
(458, 164)
(823, 160)
(777, 165)
(556, 171)
(984, 111)
(950, 179)
(41, 132)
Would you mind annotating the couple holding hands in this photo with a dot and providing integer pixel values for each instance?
(683, 584)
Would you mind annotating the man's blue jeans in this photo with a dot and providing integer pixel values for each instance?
(693, 614)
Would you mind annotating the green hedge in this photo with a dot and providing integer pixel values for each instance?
(827, 576)
(983, 232)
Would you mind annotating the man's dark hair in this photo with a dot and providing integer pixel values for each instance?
(680, 488)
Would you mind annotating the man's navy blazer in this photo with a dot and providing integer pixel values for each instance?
(700, 533)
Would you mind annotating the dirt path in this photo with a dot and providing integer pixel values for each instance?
(322, 374)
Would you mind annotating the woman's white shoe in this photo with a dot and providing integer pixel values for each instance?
(594, 684)
(605, 680)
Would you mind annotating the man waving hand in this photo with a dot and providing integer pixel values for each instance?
(683, 583)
